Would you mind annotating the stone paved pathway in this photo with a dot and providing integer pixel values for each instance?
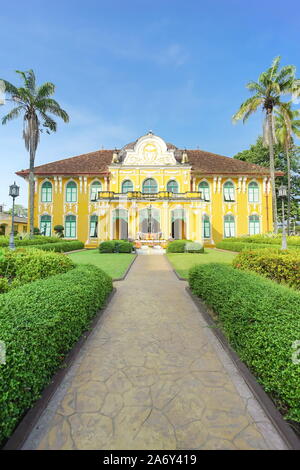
(153, 376)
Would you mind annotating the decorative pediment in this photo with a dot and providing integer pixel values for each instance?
(150, 150)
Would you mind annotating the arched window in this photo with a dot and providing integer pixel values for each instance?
(93, 226)
(149, 186)
(206, 226)
(203, 188)
(254, 225)
(46, 193)
(71, 192)
(96, 186)
(229, 192)
(229, 226)
(253, 192)
(172, 186)
(45, 225)
(70, 226)
(127, 186)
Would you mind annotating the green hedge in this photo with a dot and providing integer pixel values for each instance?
(194, 247)
(116, 246)
(261, 320)
(268, 239)
(240, 246)
(39, 323)
(177, 246)
(280, 266)
(62, 246)
(37, 240)
(24, 265)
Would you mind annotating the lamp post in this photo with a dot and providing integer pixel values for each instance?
(13, 192)
(282, 192)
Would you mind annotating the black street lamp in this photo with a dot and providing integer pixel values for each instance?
(13, 192)
(282, 193)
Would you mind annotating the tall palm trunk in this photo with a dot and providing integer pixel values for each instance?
(272, 167)
(31, 193)
(288, 160)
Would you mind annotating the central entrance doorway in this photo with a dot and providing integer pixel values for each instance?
(149, 225)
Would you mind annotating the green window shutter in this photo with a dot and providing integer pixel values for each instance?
(203, 188)
(95, 188)
(70, 226)
(253, 192)
(229, 193)
(254, 225)
(46, 193)
(45, 225)
(71, 193)
(127, 186)
(172, 186)
(94, 226)
(229, 226)
(206, 226)
(149, 186)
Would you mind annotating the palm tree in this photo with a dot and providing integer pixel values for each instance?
(268, 90)
(34, 104)
(287, 125)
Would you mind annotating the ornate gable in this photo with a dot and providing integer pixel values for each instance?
(149, 150)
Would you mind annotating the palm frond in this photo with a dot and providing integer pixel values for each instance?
(29, 80)
(45, 90)
(13, 114)
(10, 88)
(247, 108)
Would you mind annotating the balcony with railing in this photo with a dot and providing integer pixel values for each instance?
(161, 195)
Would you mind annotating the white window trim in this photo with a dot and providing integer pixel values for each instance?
(66, 186)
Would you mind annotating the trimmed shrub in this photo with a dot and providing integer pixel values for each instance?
(116, 246)
(125, 247)
(59, 230)
(62, 247)
(27, 265)
(261, 320)
(280, 266)
(265, 239)
(107, 247)
(194, 247)
(39, 324)
(240, 246)
(177, 246)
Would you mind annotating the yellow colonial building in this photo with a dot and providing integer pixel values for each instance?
(150, 190)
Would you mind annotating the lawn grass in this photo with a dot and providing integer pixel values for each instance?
(114, 264)
(183, 262)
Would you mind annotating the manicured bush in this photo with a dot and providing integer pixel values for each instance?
(261, 320)
(107, 247)
(125, 247)
(62, 246)
(37, 240)
(267, 238)
(116, 246)
(28, 264)
(280, 266)
(59, 230)
(177, 246)
(194, 247)
(240, 246)
(39, 324)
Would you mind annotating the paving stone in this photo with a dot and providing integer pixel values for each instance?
(152, 376)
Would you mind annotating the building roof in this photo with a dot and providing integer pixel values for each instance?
(6, 216)
(97, 162)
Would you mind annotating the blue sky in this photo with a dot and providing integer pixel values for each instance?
(124, 67)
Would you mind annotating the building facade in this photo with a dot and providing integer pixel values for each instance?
(151, 190)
